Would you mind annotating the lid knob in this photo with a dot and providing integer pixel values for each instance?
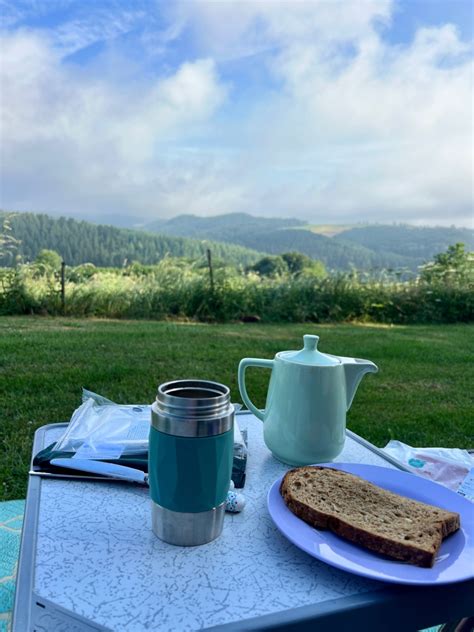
(310, 342)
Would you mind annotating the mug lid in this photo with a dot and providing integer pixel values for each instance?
(309, 355)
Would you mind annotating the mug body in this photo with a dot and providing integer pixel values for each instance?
(190, 460)
(305, 414)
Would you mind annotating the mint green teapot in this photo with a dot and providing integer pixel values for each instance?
(307, 400)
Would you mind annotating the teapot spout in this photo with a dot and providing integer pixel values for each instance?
(354, 370)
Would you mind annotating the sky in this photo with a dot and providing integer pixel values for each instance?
(331, 111)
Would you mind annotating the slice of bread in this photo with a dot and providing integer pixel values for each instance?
(368, 515)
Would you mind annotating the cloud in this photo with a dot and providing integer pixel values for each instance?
(233, 28)
(73, 141)
(338, 126)
(358, 129)
(388, 136)
(78, 34)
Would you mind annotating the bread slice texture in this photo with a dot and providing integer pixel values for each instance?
(363, 513)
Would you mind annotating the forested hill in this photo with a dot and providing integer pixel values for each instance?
(236, 238)
(79, 242)
(370, 247)
(228, 227)
(408, 241)
(276, 236)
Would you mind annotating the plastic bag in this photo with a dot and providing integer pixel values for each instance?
(101, 429)
(448, 466)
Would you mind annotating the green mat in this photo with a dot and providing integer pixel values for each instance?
(11, 520)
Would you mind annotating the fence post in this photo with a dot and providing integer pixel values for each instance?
(63, 294)
(211, 274)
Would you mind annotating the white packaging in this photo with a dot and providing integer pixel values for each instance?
(447, 466)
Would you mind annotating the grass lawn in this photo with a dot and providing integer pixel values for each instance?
(422, 394)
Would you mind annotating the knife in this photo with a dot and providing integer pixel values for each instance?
(234, 503)
(111, 470)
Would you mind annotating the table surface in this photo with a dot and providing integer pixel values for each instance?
(95, 556)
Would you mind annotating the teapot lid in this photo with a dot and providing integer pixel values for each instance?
(310, 355)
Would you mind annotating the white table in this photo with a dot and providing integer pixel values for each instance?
(89, 561)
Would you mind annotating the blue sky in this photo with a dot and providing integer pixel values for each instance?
(328, 110)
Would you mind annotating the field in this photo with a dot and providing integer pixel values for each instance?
(422, 394)
(329, 230)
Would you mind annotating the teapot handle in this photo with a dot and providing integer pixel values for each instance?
(246, 362)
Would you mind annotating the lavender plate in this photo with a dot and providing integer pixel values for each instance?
(455, 561)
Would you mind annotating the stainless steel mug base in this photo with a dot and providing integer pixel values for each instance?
(187, 529)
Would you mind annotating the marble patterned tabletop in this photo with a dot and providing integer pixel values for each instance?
(97, 556)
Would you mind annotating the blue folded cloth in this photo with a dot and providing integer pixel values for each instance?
(11, 521)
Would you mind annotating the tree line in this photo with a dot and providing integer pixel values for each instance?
(24, 235)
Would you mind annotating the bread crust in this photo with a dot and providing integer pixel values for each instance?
(435, 527)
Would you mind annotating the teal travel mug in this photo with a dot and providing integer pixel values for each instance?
(190, 460)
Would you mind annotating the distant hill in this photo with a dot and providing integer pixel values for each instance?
(237, 238)
(273, 235)
(418, 243)
(79, 242)
(234, 227)
(365, 247)
(335, 255)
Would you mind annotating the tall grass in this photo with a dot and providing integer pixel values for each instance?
(181, 289)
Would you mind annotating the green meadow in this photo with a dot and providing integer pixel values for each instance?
(422, 394)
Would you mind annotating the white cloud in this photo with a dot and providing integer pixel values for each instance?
(359, 129)
(344, 126)
(72, 141)
(86, 24)
(78, 34)
(395, 125)
(232, 28)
